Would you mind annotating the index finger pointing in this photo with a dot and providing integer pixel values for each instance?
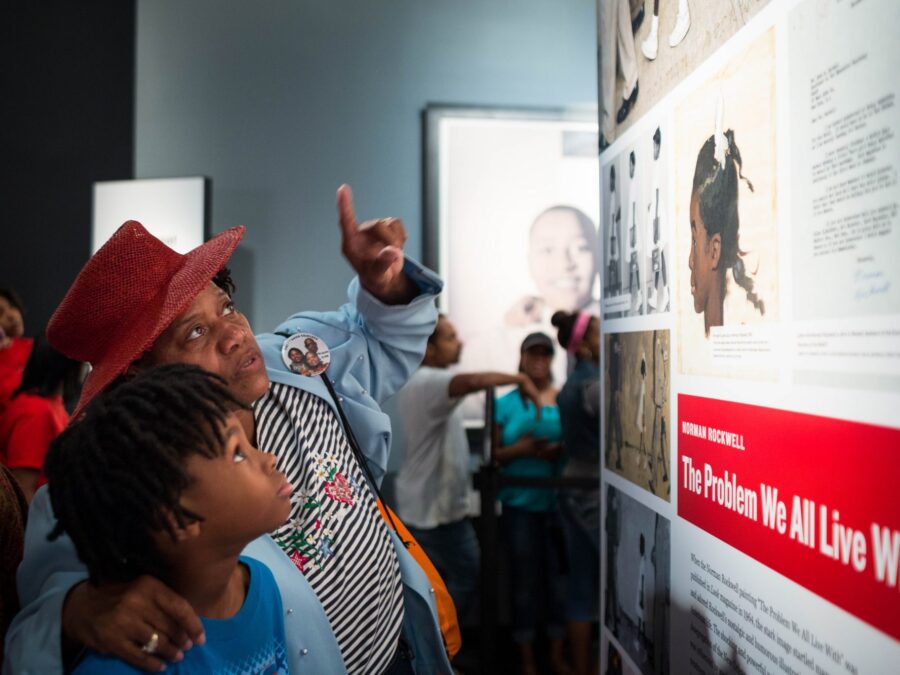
(345, 209)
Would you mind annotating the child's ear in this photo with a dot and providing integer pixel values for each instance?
(191, 529)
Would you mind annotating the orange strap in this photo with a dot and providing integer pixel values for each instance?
(445, 607)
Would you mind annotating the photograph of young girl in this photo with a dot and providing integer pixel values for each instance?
(726, 247)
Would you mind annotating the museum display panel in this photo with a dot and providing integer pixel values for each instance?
(751, 337)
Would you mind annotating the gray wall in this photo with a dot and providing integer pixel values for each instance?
(65, 121)
(279, 102)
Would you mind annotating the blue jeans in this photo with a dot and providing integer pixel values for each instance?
(453, 550)
(583, 546)
(536, 551)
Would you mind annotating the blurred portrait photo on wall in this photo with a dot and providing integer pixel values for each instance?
(519, 186)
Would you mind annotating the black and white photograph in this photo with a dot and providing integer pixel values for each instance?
(636, 241)
(636, 587)
(648, 45)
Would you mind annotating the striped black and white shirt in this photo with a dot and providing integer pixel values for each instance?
(335, 534)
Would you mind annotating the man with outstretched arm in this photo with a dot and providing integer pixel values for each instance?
(434, 479)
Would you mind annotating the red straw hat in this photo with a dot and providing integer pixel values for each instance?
(126, 295)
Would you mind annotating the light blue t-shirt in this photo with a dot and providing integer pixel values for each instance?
(250, 642)
(517, 417)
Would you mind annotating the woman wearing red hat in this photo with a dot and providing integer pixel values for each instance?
(355, 599)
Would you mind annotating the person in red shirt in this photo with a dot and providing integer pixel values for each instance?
(14, 348)
(36, 414)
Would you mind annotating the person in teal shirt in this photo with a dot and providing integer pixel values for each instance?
(529, 445)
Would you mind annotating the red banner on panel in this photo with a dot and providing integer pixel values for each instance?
(814, 498)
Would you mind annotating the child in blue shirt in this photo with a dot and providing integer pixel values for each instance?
(158, 478)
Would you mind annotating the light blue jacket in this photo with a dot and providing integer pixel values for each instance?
(374, 349)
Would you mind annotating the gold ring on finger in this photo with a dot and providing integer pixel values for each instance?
(151, 644)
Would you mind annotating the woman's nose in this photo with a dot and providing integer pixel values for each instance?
(231, 338)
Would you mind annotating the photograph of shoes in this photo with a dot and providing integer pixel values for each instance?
(637, 19)
(655, 42)
(682, 24)
(627, 105)
(650, 45)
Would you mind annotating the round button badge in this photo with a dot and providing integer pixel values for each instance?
(306, 354)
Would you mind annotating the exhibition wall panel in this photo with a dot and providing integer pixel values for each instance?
(750, 233)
